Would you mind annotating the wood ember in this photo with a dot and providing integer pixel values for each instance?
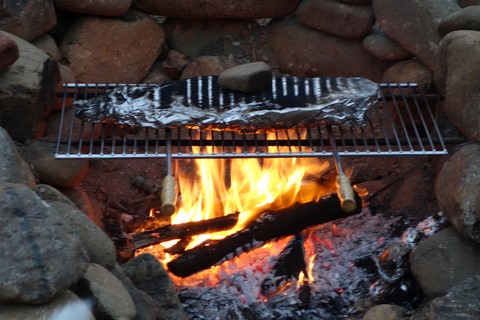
(269, 226)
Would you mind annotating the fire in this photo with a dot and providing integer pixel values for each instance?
(210, 188)
(248, 186)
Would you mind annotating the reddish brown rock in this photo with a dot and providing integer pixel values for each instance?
(174, 64)
(125, 51)
(207, 66)
(218, 9)
(109, 8)
(8, 52)
(27, 19)
(306, 52)
(337, 18)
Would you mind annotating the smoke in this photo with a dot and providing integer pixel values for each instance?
(77, 310)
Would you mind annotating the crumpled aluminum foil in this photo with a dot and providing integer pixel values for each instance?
(290, 102)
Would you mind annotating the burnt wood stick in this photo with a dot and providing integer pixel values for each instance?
(268, 226)
(289, 263)
(181, 231)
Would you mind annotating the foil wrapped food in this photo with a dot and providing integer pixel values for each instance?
(290, 102)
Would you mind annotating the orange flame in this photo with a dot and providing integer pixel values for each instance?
(210, 188)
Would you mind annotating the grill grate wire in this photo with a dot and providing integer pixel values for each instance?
(401, 123)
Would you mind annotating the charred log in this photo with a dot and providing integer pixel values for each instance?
(268, 226)
(290, 262)
(181, 231)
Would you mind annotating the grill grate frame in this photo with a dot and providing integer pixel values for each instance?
(401, 123)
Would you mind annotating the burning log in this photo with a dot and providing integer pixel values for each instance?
(289, 264)
(181, 231)
(268, 226)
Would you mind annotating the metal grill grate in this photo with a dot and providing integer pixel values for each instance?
(401, 123)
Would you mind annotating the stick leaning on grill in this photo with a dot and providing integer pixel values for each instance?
(168, 184)
(344, 187)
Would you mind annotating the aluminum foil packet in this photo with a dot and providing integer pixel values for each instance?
(290, 102)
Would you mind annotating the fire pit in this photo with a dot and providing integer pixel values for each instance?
(258, 263)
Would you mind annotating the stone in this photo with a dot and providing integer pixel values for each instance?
(385, 312)
(47, 44)
(461, 302)
(384, 48)
(50, 194)
(467, 18)
(41, 254)
(417, 33)
(195, 38)
(13, 169)
(444, 260)
(248, 77)
(156, 75)
(466, 3)
(148, 275)
(111, 299)
(27, 19)
(336, 18)
(86, 204)
(124, 53)
(66, 306)
(207, 66)
(145, 305)
(411, 70)
(218, 9)
(99, 246)
(456, 189)
(27, 90)
(460, 65)
(306, 52)
(55, 172)
(8, 52)
(109, 8)
(174, 64)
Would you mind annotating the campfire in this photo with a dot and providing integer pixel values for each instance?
(231, 207)
(268, 217)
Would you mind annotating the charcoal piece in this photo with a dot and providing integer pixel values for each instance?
(290, 102)
(290, 262)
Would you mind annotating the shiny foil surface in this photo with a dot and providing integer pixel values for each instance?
(290, 102)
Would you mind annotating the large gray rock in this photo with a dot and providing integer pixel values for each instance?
(110, 8)
(218, 9)
(27, 90)
(13, 168)
(99, 246)
(306, 52)
(124, 53)
(456, 189)
(413, 24)
(460, 67)
(146, 306)
(443, 261)
(41, 254)
(461, 302)
(384, 48)
(58, 173)
(148, 274)
(465, 19)
(110, 297)
(27, 19)
(336, 18)
(66, 306)
(248, 77)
